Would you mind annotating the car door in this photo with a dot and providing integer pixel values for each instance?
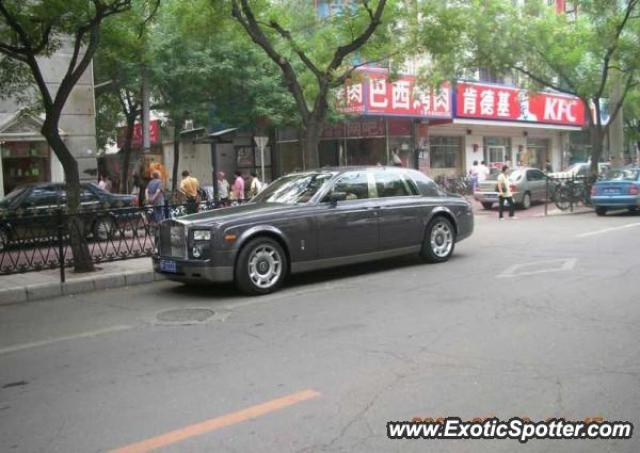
(38, 213)
(536, 181)
(348, 227)
(400, 220)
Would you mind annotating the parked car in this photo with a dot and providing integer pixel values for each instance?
(313, 220)
(619, 189)
(527, 184)
(30, 212)
(579, 170)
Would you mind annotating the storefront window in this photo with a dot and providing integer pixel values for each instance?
(445, 152)
(537, 152)
(497, 151)
(24, 163)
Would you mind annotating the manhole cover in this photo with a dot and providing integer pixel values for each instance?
(186, 315)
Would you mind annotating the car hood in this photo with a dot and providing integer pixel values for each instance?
(235, 213)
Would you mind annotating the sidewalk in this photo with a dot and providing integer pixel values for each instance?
(46, 284)
(536, 210)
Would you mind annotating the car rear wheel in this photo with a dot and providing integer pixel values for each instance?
(526, 201)
(487, 206)
(439, 240)
(601, 211)
(261, 267)
(104, 228)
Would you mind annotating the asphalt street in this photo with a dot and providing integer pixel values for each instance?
(535, 317)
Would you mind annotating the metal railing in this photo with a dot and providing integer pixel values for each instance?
(568, 192)
(34, 242)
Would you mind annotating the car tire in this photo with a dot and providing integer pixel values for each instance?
(261, 267)
(526, 201)
(601, 211)
(103, 229)
(439, 240)
(487, 206)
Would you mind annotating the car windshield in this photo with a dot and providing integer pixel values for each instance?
(293, 189)
(622, 174)
(14, 194)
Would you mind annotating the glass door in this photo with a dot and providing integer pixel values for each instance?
(496, 156)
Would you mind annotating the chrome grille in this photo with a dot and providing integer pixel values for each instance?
(173, 240)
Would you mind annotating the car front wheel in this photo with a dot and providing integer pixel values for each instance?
(601, 211)
(261, 267)
(439, 240)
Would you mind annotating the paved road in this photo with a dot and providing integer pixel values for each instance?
(534, 317)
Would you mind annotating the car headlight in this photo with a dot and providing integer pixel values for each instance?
(201, 235)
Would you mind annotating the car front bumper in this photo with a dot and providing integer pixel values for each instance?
(193, 271)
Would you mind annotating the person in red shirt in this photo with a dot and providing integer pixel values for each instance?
(237, 188)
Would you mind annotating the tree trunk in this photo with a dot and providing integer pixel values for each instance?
(126, 154)
(595, 131)
(82, 259)
(310, 139)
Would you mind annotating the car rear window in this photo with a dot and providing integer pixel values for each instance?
(622, 174)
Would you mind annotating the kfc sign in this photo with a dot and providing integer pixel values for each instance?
(494, 102)
(371, 92)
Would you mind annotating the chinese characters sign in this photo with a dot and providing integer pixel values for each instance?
(136, 142)
(494, 102)
(371, 92)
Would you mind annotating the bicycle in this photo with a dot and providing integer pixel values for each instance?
(571, 192)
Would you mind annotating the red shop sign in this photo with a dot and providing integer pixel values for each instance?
(371, 93)
(495, 102)
(136, 143)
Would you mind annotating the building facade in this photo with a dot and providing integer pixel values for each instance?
(25, 155)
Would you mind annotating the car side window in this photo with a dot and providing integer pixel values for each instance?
(355, 184)
(41, 196)
(535, 175)
(392, 184)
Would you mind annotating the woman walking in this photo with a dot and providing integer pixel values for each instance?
(504, 193)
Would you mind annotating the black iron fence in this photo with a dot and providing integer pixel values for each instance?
(568, 192)
(35, 241)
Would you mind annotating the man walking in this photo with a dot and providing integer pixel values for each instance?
(256, 184)
(483, 172)
(155, 197)
(505, 194)
(190, 187)
(223, 189)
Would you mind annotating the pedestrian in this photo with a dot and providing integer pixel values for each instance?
(155, 196)
(190, 189)
(256, 185)
(395, 158)
(548, 167)
(474, 176)
(504, 193)
(136, 185)
(483, 172)
(237, 190)
(102, 184)
(223, 189)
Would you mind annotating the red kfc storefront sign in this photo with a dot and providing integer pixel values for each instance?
(495, 102)
(370, 92)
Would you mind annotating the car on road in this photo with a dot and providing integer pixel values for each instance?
(618, 189)
(528, 185)
(30, 212)
(314, 220)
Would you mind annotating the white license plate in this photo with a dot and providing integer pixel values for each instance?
(611, 191)
(168, 266)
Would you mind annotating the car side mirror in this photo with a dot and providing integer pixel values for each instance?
(334, 197)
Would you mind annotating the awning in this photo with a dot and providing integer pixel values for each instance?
(522, 125)
(223, 132)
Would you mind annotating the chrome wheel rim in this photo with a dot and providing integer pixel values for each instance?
(265, 266)
(441, 239)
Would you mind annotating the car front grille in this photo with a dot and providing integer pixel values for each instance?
(172, 240)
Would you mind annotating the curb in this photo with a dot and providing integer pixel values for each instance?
(78, 285)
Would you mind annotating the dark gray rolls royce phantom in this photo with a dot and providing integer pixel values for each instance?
(313, 220)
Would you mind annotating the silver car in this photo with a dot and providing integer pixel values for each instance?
(527, 184)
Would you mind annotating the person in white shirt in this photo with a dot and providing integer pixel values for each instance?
(223, 188)
(256, 184)
(474, 176)
(505, 194)
(483, 172)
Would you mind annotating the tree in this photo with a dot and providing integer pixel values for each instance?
(33, 29)
(576, 54)
(314, 54)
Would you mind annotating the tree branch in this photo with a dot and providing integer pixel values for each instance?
(628, 86)
(542, 80)
(287, 36)
(241, 10)
(614, 46)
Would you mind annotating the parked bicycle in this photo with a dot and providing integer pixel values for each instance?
(570, 192)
